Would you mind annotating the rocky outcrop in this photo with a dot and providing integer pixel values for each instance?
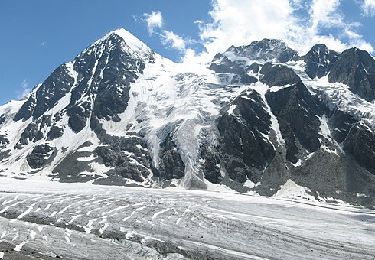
(265, 50)
(360, 143)
(2, 119)
(55, 132)
(244, 126)
(319, 61)
(297, 113)
(171, 165)
(127, 156)
(278, 75)
(223, 65)
(3, 141)
(341, 123)
(355, 68)
(41, 155)
(46, 96)
(34, 131)
(75, 167)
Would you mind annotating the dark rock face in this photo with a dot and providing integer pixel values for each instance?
(211, 163)
(255, 67)
(2, 119)
(355, 68)
(3, 141)
(319, 61)
(71, 169)
(221, 64)
(244, 150)
(128, 155)
(4, 153)
(33, 132)
(296, 111)
(55, 133)
(78, 116)
(360, 143)
(41, 155)
(267, 49)
(278, 75)
(125, 164)
(341, 123)
(171, 165)
(57, 85)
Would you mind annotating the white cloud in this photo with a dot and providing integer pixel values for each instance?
(368, 7)
(154, 21)
(173, 40)
(168, 38)
(25, 89)
(238, 22)
(325, 13)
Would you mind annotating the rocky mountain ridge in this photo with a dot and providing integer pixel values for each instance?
(258, 116)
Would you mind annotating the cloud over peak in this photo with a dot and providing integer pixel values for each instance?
(153, 20)
(300, 23)
(170, 39)
(173, 40)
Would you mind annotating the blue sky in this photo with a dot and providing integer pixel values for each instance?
(37, 36)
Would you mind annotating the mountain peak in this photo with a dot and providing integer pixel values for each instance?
(319, 60)
(266, 49)
(131, 40)
(269, 42)
(319, 48)
(100, 67)
(356, 52)
(121, 38)
(355, 68)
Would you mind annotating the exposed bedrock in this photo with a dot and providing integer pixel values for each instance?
(355, 68)
(244, 148)
(297, 112)
(41, 155)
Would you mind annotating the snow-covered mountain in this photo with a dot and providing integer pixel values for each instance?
(256, 117)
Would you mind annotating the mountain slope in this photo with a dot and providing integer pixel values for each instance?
(258, 116)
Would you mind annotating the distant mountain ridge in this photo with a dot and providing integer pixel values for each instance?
(258, 116)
